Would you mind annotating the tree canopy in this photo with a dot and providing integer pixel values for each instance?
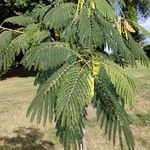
(79, 49)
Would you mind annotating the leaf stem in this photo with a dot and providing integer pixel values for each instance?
(8, 29)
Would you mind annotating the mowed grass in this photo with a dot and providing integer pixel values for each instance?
(17, 133)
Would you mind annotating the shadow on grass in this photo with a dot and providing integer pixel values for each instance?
(19, 71)
(141, 119)
(25, 139)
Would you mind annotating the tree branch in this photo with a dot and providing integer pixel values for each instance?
(3, 28)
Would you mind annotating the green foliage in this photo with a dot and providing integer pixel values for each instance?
(6, 56)
(65, 41)
(45, 98)
(20, 20)
(105, 9)
(87, 22)
(125, 85)
(115, 41)
(59, 16)
(20, 42)
(72, 96)
(137, 51)
(46, 56)
(110, 111)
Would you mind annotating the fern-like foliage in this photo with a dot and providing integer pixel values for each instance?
(31, 36)
(115, 40)
(71, 136)
(137, 51)
(20, 42)
(105, 9)
(62, 95)
(125, 85)
(87, 22)
(46, 56)
(59, 16)
(65, 41)
(20, 20)
(70, 32)
(73, 95)
(110, 111)
(6, 56)
(45, 99)
(71, 98)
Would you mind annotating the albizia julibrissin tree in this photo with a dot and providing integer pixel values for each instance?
(65, 41)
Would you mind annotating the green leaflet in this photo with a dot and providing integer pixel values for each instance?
(114, 40)
(47, 55)
(105, 9)
(45, 100)
(124, 84)
(89, 31)
(137, 51)
(59, 16)
(68, 74)
(6, 55)
(31, 36)
(73, 95)
(13, 44)
(111, 114)
(20, 20)
(86, 28)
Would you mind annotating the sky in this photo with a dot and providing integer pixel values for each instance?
(146, 25)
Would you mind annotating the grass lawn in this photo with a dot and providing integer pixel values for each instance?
(17, 133)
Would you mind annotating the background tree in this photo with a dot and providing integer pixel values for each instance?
(65, 41)
(10, 8)
(144, 6)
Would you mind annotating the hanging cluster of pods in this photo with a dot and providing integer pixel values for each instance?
(121, 24)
